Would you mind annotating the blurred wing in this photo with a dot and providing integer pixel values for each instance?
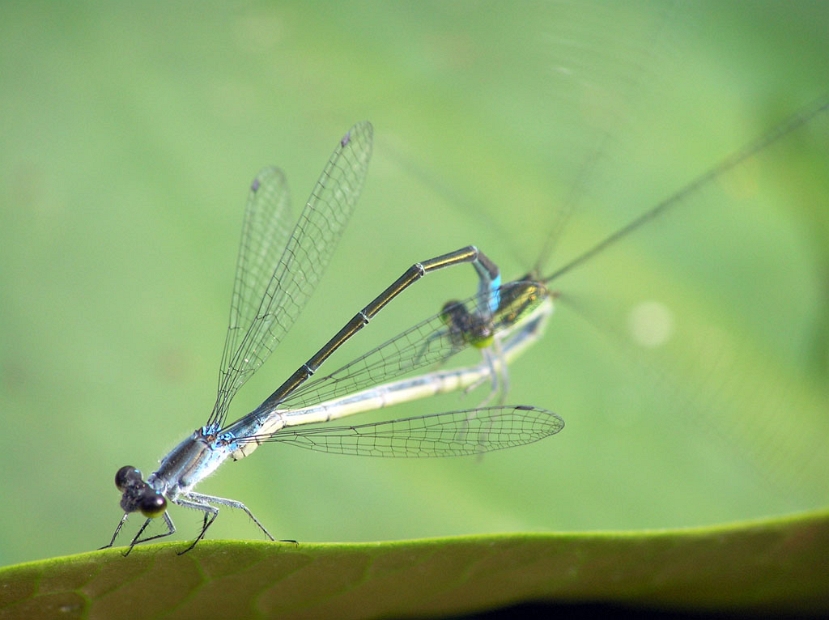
(456, 433)
(274, 284)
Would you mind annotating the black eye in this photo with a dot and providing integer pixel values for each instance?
(152, 505)
(126, 476)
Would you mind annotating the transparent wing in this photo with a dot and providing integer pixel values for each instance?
(430, 342)
(265, 232)
(269, 297)
(456, 433)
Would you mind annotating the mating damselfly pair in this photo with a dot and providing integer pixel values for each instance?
(276, 272)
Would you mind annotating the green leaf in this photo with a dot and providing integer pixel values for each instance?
(777, 565)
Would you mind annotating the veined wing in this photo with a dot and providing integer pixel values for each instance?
(269, 297)
(455, 433)
(432, 341)
(265, 232)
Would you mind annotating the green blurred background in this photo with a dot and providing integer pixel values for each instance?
(130, 135)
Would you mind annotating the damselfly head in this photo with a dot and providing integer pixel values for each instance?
(466, 327)
(137, 495)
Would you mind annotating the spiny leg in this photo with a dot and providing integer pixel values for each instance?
(210, 514)
(198, 501)
(117, 531)
(230, 503)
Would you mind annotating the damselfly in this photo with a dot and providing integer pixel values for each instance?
(518, 321)
(275, 276)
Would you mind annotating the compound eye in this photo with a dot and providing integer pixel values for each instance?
(456, 316)
(127, 476)
(152, 505)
